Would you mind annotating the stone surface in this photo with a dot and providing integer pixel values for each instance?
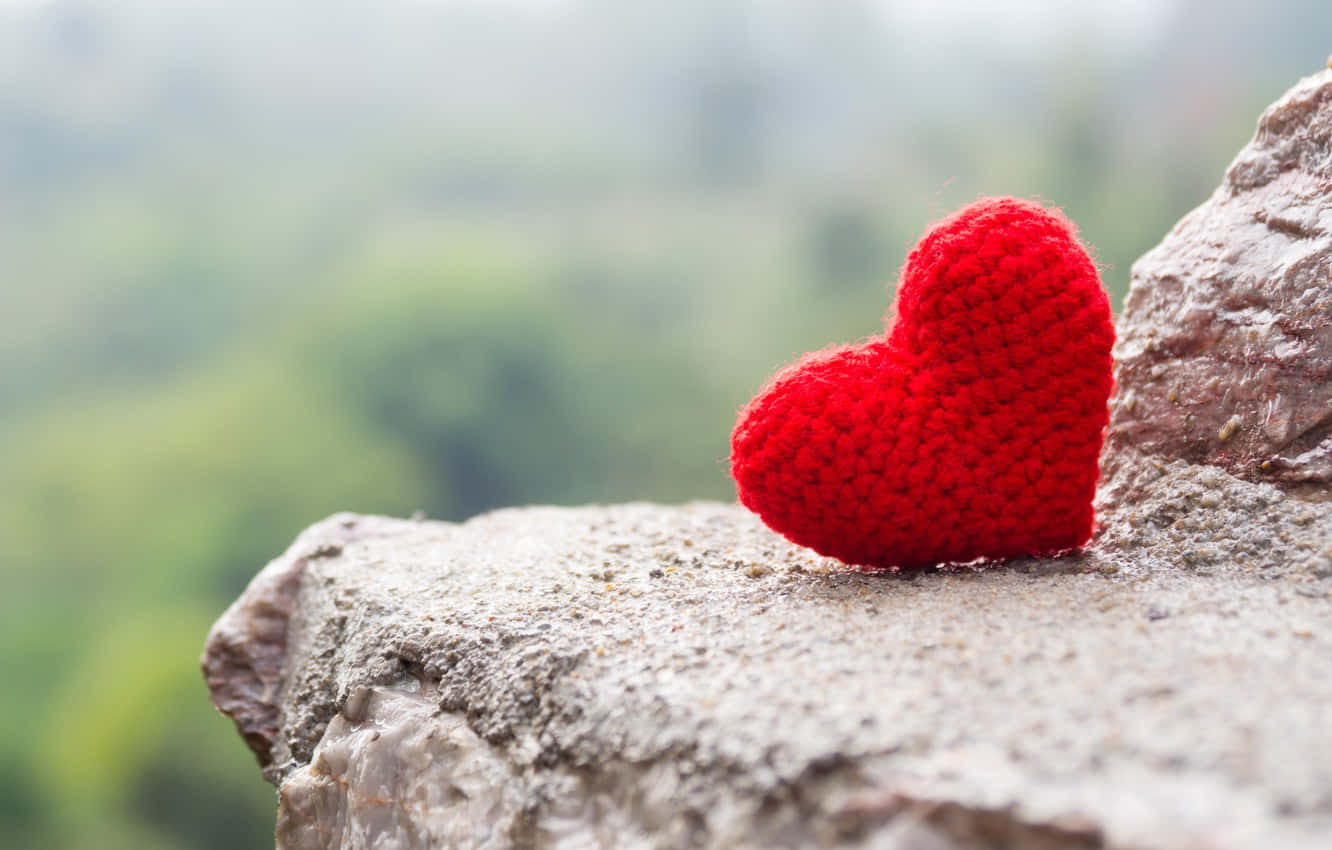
(649, 676)
(1225, 352)
(643, 676)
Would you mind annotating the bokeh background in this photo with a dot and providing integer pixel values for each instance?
(264, 260)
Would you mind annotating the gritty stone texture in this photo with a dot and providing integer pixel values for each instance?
(644, 676)
(248, 648)
(1225, 352)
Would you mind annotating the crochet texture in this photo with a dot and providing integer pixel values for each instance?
(972, 429)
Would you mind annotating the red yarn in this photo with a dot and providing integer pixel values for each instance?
(972, 429)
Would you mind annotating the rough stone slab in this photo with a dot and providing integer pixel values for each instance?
(644, 676)
(247, 649)
(1225, 345)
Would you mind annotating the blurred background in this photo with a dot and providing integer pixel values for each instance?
(264, 260)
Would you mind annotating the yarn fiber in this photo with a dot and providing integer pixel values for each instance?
(971, 430)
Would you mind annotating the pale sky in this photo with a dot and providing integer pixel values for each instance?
(1132, 16)
(1017, 25)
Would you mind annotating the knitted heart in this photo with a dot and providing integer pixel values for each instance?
(972, 429)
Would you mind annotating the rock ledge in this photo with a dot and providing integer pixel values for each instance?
(649, 676)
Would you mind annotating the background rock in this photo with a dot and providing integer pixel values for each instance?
(1225, 351)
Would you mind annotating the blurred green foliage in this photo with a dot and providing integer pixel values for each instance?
(262, 262)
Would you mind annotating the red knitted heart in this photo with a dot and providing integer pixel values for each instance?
(971, 430)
